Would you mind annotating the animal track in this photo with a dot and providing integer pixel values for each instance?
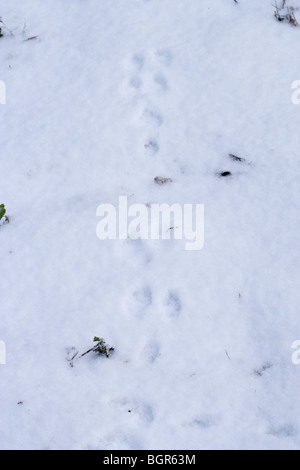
(286, 430)
(147, 80)
(138, 61)
(152, 146)
(144, 296)
(139, 73)
(153, 117)
(141, 301)
(161, 82)
(151, 352)
(135, 82)
(204, 422)
(165, 57)
(143, 412)
(173, 305)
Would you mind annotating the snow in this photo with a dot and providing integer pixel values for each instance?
(109, 95)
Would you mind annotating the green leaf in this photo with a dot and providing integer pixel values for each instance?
(2, 210)
(97, 339)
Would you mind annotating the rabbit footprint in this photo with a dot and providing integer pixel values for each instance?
(173, 305)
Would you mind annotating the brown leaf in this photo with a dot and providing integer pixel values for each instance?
(161, 180)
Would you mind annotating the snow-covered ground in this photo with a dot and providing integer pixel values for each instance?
(107, 96)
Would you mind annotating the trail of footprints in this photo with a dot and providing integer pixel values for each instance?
(142, 304)
(143, 298)
(147, 83)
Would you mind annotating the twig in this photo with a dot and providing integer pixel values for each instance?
(227, 355)
(86, 352)
(31, 38)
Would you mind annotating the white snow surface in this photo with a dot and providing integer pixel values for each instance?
(203, 338)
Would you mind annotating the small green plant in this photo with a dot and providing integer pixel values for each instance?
(2, 214)
(100, 348)
(2, 211)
